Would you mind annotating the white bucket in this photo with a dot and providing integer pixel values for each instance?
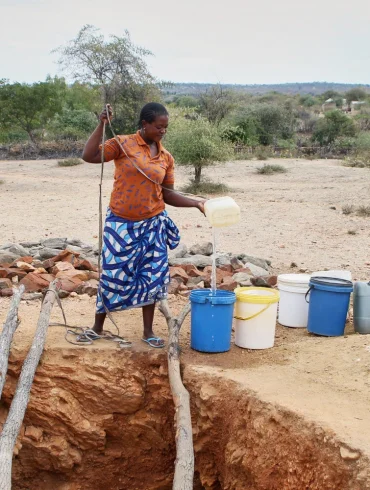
(255, 317)
(293, 308)
(337, 274)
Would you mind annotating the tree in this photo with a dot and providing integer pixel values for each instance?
(215, 104)
(334, 125)
(197, 143)
(117, 66)
(30, 107)
(355, 94)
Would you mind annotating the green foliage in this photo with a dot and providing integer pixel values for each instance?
(268, 169)
(73, 124)
(355, 94)
(307, 100)
(333, 125)
(185, 101)
(263, 123)
(363, 141)
(197, 143)
(205, 187)
(70, 162)
(30, 107)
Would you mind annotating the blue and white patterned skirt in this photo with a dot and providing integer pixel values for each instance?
(135, 268)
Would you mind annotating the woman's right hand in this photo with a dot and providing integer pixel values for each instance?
(104, 115)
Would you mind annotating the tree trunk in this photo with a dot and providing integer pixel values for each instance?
(197, 174)
(10, 326)
(22, 393)
(184, 465)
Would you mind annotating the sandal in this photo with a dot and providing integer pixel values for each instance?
(153, 342)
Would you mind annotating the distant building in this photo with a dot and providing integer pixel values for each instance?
(329, 105)
(357, 105)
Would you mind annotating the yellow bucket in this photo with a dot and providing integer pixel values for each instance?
(255, 317)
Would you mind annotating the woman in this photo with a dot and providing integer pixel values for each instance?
(137, 229)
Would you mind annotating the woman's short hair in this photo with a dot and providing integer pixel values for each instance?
(150, 111)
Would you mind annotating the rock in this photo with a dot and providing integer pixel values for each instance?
(178, 272)
(3, 272)
(263, 263)
(179, 252)
(5, 283)
(30, 244)
(40, 270)
(34, 282)
(76, 242)
(256, 270)
(88, 287)
(7, 257)
(227, 268)
(242, 278)
(220, 274)
(259, 282)
(61, 267)
(63, 294)
(16, 249)
(69, 284)
(93, 275)
(48, 253)
(35, 250)
(272, 280)
(56, 243)
(205, 248)
(349, 454)
(85, 265)
(6, 292)
(73, 274)
(236, 263)
(191, 270)
(28, 259)
(197, 260)
(33, 433)
(37, 263)
(223, 259)
(229, 285)
(174, 286)
(11, 272)
(193, 281)
(24, 266)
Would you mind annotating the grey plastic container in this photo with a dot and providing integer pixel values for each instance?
(361, 307)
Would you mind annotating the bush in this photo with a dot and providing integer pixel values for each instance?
(70, 162)
(197, 143)
(205, 187)
(334, 124)
(363, 211)
(73, 124)
(261, 155)
(271, 169)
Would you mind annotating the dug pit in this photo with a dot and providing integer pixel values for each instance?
(101, 417)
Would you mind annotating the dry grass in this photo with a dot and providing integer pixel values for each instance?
(269, 169)
(70, 162)
(363, 211)
(348, 209)
(205, 187)
(352, 232)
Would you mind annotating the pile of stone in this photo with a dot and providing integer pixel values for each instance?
(192, 269)
(36, 264)
(74, 264)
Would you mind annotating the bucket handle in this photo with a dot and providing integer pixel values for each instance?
(255, 314)
(308, 292)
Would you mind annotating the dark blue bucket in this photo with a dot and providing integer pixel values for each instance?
(211, 320)
(328, 305)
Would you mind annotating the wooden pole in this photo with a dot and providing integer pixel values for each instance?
(10, 326)
(184, 465)
(19, 404)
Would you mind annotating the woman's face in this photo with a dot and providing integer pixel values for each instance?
(157, 129)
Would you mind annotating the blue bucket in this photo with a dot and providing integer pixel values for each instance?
(328, 305)
(211, 320)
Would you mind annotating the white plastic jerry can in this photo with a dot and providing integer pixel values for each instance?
(361, 307)
(222, 212)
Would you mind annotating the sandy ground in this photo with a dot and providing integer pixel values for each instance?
(286, 217)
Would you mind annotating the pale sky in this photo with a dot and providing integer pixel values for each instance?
(229, 41)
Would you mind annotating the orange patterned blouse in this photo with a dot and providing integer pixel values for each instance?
(134, 197)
